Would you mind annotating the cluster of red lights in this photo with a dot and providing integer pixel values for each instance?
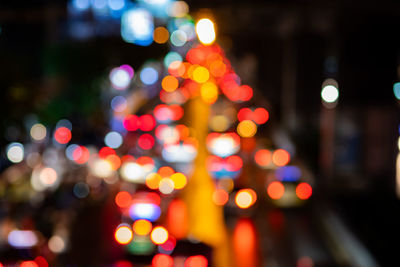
(144, 123)
(235, 92)
(232, 163)
(213, 58)
(231, 135)
(81, 154)
(265, 157)
(203, 64)
(276, 190)
(39, 261)
(168, 113)
(163, 260)
(258, 115)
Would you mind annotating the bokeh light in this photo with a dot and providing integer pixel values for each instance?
(396, 90)
(172, 57)
(263, 157)
(153, 180)
(280, 157)
(260, 115)
(234, 163)
(177, 218)
(245, 198)
(148, 211)
(247, 128)
(113, 139)
(101, 168)
(223, 145)
(205, 31)
(201, 74)
(177, 68)
(303, 191)
(41, 261)
(15, 152)
(179, 180)
(57, 244)
(245, 245)
(219, 123)
(147, 122)
(275, 190)
(160, 35)
(120, 78)
(220, 197)
(131, 122)
(137, 26)
(146, 162)
(179, 153)
(48, 176)
(209, 92)
(162, 260)
(123, 235)
(166, 171)
(106, 151)
(288, 173)
(80, 154)
(178, 9)
(44, 178)
(148, 76)
(126, 67)
(118, 103)
(146, 141)
(164, 114)
(159, 235)
(28, 264)
(167, 134)
(123, 199)
(38, 132)
(168, 247)
(169, 83)
(218, 68)
(132, 172)
(22, 238)
(166, 186)
(245, 93)
(81, 4)
(142, 227)
(196, 261)
(62, 135)
(329, 94)
(116, 5)
(245, 114)
(178, 38)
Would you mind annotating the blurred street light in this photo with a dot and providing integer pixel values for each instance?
(205, 31)
(329, 97)
(330, 93)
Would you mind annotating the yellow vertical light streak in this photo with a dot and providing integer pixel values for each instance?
(206, 220)
(398, 175)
